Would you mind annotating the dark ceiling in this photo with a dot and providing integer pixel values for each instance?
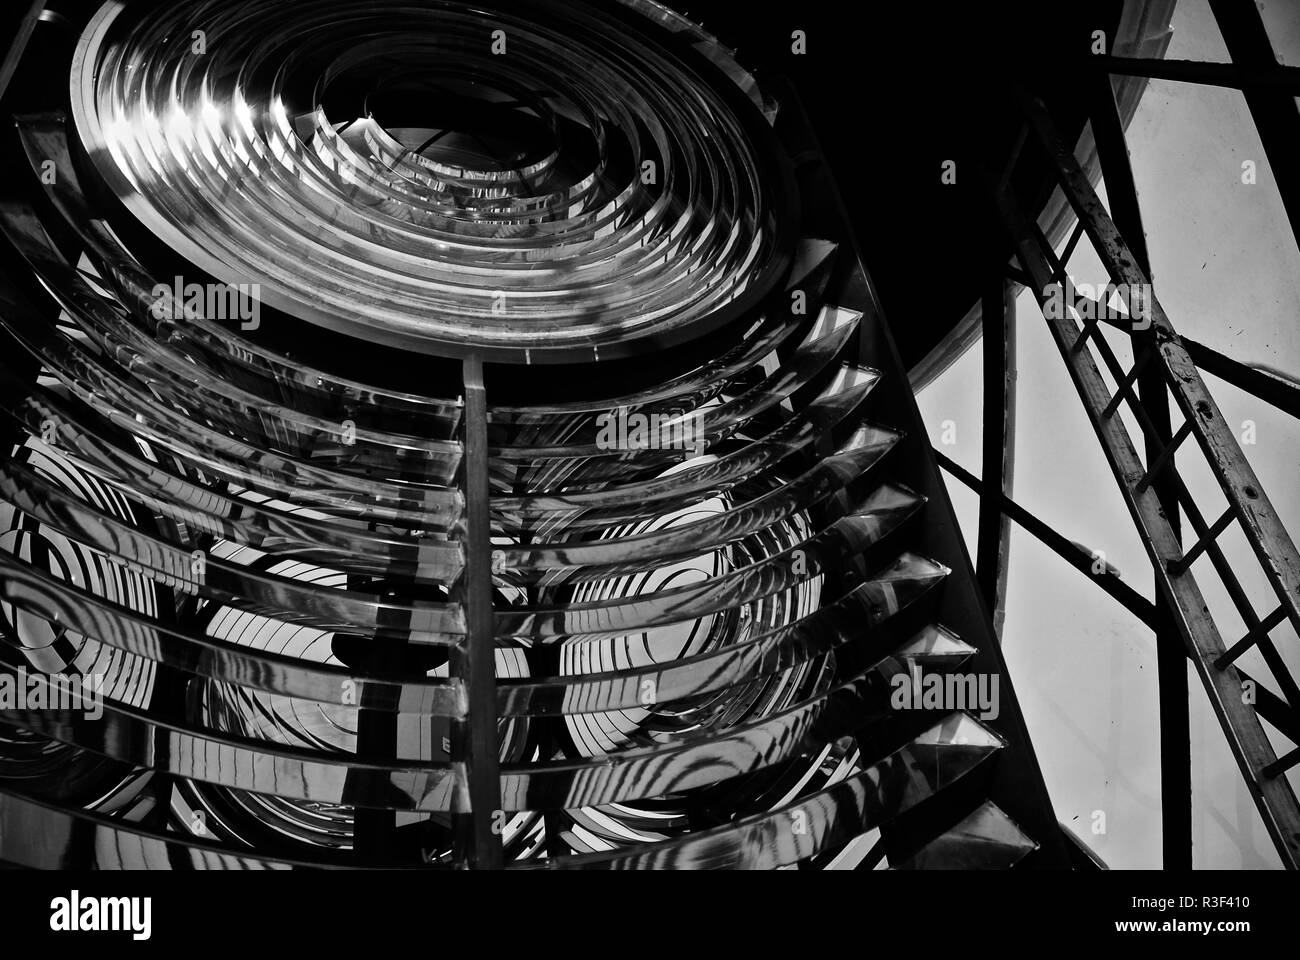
(895, 89)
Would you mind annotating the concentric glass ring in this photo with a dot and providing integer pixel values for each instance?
(304, 147)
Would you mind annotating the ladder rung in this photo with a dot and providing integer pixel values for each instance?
(1282, 764)
(1068, 252)
(1125, 386)
(1165, 454)
(1251, 638)
(1089, 328)
(1178, 567)
(1019, 276)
